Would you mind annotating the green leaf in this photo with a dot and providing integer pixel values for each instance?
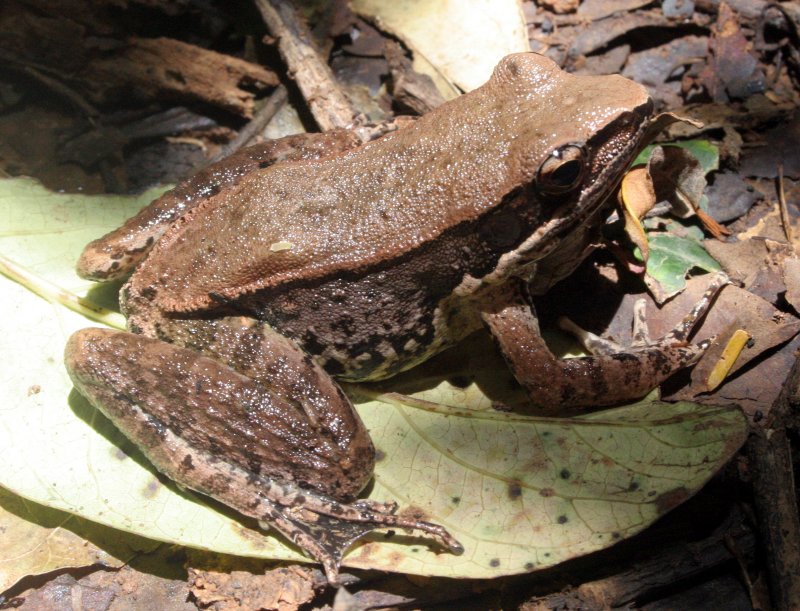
(519, 492)
(672, 257)
(706, 152)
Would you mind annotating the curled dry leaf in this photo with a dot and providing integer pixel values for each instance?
(636, 198)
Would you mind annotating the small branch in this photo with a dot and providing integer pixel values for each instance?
(258, 123)
(55, 294)
(326, 101)
(775, 498)
(787, 225)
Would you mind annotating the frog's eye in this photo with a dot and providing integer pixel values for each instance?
(562, 171)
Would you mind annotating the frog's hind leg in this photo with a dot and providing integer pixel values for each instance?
(259, 427)
(612, 375)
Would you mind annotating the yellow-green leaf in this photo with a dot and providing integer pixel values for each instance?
(38, 540)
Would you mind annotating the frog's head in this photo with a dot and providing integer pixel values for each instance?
(574, 137)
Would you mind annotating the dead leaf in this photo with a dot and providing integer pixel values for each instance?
(658, 68)
(637, 197)
(678, 178)
(729, 197)
(598, 9)
(791, 279)
(779, 147)
(757, 263)
(38, 540)
(281, 589)
(733, 71)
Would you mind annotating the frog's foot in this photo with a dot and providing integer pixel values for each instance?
(325, 528)
(612, 374)
(675, 342)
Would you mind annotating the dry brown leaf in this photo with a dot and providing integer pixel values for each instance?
(791, 279)
(637, 197)
(281, 589)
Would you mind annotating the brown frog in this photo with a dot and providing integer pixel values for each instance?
(258, 282)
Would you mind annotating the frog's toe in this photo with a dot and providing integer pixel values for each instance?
(676, 340)
(325, 529)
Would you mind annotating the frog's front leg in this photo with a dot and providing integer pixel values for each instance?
(611, 375)
(284, 446)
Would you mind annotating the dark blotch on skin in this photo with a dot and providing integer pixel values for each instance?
(379, 455)
(456, 500)
(186, 463)
(529, 566)
(334, 367)
(633, 487)
(494, 562)
(312, 344)
(565, 474)
(514, 490)
(562, 519)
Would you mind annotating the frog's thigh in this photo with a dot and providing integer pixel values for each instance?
(596, 380)
(275, 361)
(276, 429)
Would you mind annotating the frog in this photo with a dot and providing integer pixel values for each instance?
(257, 287)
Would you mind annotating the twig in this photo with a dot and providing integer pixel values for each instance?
(326, 101)
(774, 491)
(258, 123)
(787, 226)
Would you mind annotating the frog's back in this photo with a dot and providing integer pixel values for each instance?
(309, 220)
